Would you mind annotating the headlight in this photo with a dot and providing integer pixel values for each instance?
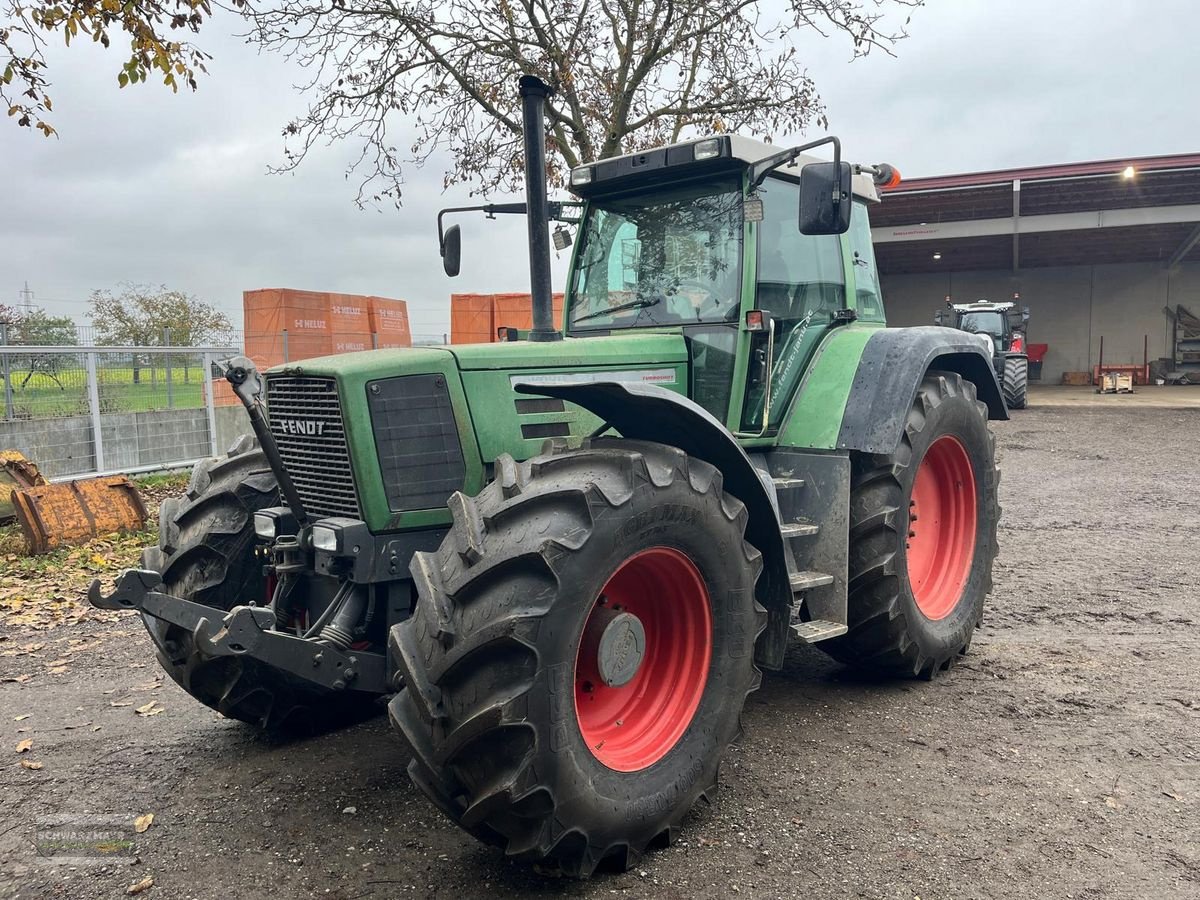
(325, 538)
(706, 149)
(274, 522)
(582, 175)
(264, 526)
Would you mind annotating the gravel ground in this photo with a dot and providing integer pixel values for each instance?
(1061, 758)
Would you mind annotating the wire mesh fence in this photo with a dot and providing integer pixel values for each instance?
(88, 410)
(82, 408)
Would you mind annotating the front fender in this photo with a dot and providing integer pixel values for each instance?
(889, 373)
(647, 412)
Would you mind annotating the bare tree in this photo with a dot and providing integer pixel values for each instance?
(629, 74)
(26, 25)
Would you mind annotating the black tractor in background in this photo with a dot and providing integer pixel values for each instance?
(1003, 327)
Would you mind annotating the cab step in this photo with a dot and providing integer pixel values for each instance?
(805, 581)
(798, 529)
(818, 630)
(788, 483)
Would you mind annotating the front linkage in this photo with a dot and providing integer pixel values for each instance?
(249, 630)
(245, 631)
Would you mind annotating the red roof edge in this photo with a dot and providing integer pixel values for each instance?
(1043, 173)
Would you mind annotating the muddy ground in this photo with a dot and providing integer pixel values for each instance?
(1060, 759)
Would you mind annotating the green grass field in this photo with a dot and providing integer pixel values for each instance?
(55, 391)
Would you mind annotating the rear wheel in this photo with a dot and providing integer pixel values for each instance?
(922, 536)
(580, 652)
(206, 553)
(1016, 382)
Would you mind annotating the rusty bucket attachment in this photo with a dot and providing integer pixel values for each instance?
(15, 472)
(71, 512)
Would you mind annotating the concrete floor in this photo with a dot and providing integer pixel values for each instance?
(1164, 397)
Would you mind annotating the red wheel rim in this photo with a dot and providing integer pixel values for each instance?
(941, 530)
(633, 726)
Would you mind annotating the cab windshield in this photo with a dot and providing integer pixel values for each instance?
(668, 257)
(983, 323)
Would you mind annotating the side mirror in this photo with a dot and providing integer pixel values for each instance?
(1025, 315)
(825, 198)
(452, 250)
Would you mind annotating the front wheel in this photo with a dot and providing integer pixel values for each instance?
(1016, 382)
(922, 536)
(580, 652)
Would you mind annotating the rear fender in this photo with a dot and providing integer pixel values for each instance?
(889, 374)
(647, 412)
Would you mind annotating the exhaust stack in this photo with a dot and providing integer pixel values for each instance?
(534, 92)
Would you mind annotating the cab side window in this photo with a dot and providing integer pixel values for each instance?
(866, 275)
(799, 275)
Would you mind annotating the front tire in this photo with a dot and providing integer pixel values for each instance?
(524, 729)
(922, 537)
(1016, 382)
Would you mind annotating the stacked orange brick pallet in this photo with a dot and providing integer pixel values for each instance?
(475, 318)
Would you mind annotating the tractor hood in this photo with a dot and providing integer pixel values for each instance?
(441, 415)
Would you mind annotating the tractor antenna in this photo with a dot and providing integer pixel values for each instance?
(534, 93)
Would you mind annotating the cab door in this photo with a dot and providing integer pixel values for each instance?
(800, 284)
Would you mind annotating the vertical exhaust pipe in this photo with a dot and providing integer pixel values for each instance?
(534, 92)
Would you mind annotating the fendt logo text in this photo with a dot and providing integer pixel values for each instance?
(301, 426)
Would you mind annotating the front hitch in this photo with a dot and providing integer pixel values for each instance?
(245, 631)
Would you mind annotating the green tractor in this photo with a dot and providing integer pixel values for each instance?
(562, 562)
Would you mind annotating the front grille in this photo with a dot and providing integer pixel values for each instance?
(306, 419)
(420, 456)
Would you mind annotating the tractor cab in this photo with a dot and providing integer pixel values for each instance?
(1002, 323)
(733, 244)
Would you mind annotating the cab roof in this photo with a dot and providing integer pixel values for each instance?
(631, 170)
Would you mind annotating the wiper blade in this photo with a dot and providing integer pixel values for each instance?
(640, 303)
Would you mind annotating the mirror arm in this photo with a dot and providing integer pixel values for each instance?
(557, 208)
(764, 167)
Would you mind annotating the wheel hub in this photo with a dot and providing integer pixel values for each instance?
(620, 644)
(642, 659)
(942, 526)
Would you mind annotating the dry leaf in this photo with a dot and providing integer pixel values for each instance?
(141, 823)
(120, 703)
(150, 709)
(21, 718)
(58, 662)
(1174, 797)
(1111, 803)
(144, 885)
(30, 764)
(57, 670)
(25, 746)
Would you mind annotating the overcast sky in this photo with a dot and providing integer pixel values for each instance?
(145, 186)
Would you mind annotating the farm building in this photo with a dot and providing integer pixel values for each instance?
(1099, 250)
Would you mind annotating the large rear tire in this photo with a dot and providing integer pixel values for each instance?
(517, 732)
(206, 553)
(922, 537)
(1016, 382)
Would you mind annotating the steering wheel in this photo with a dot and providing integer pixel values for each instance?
(683, 292)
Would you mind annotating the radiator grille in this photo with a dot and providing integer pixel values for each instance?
(306, 419)
(416, 437)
